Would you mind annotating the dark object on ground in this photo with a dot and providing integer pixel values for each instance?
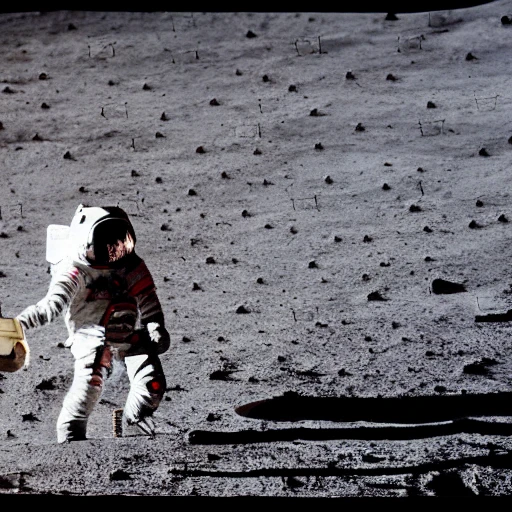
(480, 367)
(375, 296)
(441, 286)
(495, 317)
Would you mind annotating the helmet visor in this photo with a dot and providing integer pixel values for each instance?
(111, 241)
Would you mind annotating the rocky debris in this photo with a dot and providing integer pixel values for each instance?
(470, 56)
(293, 482)
(386, 187)
(414, 208)
(213, 417)
(431, 104)
(479, 203)
(29, 417)
(502, 218)
(45, 106)
(47, 384)
(391, 77)
(292, 88)
(360, 127)
(328, 180)
(146, 87)
(265, 78)
(242, 310)
(316, 113)
(483, 152)
(442, 286)
(257, 151)
(369, 457)
(376, 296)
(210, 260)
(391, 16)
(214, 102)
(319, 146)
(68, 156)
(12, 481)
(164, 117)
(350, 76)
(159, 135)
(250, 34)
(495, 317)
(474, 225)
(506, 20)
(119, 474)
(449, 483)
(221, 375)
(312, 264)
(479, 367)
(200, 149)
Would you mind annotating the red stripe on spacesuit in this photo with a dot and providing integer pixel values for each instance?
(145, 284)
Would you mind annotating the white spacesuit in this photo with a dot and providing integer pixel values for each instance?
(112, 313)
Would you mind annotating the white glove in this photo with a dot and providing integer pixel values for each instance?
(158, 334)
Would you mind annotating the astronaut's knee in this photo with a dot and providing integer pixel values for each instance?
(96, 380)
(156, 386)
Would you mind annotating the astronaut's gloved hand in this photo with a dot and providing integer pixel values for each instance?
(153, 335)
(159, 335)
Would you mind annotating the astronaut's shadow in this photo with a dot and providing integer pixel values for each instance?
(392, 418)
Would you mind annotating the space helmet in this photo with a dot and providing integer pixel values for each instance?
(101, 236)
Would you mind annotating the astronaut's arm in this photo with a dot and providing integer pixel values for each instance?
(152, 318)
(158, 332)
(62, 289)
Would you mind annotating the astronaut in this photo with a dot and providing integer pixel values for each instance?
(112, 314)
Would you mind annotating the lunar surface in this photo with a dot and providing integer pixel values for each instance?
(324, 202)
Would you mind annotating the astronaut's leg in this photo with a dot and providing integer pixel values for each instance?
(147, 387)
(92, 364)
